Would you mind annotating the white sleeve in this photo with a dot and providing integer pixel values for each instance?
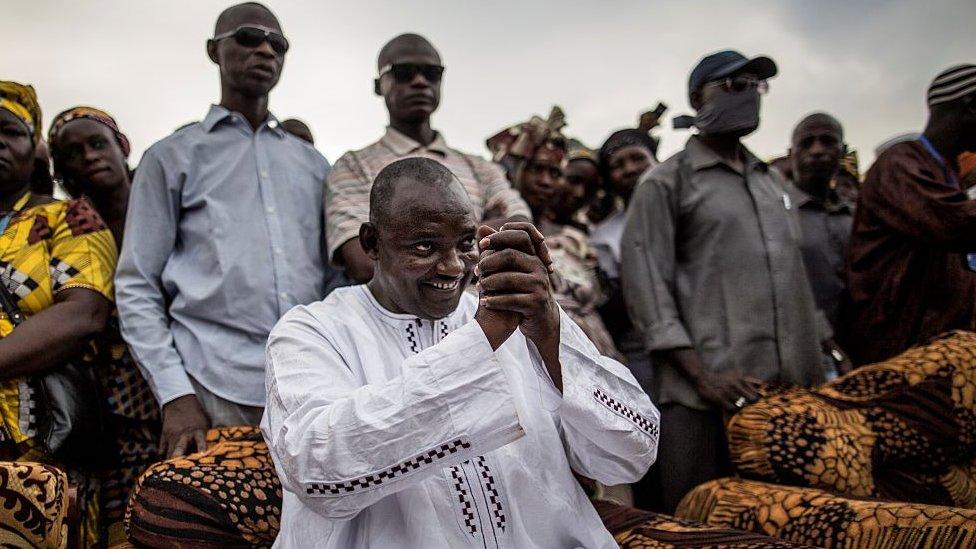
(341, 446)
(609, 426)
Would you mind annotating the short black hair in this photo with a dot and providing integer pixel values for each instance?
(228, 19)
(416, 170)
(818, 117)
(407, 41)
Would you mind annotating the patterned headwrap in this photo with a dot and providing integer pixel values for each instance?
(850, 164)
(21, 100)
(523, 141)
(579, 151)
(90, 113)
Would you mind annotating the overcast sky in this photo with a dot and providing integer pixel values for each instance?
(867, 62)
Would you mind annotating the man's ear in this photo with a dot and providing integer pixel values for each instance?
(695, 97)
(369, 240)
(376, 87)
(212, 51)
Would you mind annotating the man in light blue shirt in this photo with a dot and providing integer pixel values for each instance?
(224, 235)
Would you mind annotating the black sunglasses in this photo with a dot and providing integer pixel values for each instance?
(252, 37)
(404, 73)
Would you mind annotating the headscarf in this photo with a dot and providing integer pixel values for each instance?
(578, 151)
(849, 164)
(515, 146)
(21, 100)
(624, 138)
(90, 113)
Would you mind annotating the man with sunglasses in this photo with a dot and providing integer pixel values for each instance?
(911, 258)
(409, 80)
(224, 235)
(714, 278)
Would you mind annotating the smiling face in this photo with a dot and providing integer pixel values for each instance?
(250, 71)
(424, 250)
(89, 158)
(16, 153)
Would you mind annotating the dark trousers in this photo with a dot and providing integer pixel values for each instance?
(692, 449)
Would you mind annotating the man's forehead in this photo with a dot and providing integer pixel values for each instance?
(818, 127)
(247, 14)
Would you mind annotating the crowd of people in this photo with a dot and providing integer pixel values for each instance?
(607, 279)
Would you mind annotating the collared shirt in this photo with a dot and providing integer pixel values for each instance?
(223, 236)
(825, 228)
(391, 431)
(908, 278)
(347, 204)
(711, 260)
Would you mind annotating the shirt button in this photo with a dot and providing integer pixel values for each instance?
(264, 174)
(277, 250)
(270, 210)
(283, 295)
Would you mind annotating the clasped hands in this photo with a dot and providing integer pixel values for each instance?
(514, 289)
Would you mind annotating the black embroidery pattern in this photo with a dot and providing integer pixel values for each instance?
(376, 479)
(494, 499)
(464, 498)
(443, 330)
(626, 412)
(412, 338)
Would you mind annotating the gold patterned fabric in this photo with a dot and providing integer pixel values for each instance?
(33, 505)
(637, 529)
(902, 430)
(21, 100)
(817, 518)
(226, 496)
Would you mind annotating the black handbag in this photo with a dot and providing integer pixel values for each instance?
(65, 407)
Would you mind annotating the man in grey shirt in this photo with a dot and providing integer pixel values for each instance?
(224, 234)
(816, 151)
(714, 278)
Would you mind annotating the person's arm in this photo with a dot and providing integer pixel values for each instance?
(54, 335)
(341, 446)
(502, 203)
(346, 209)
(150, 237)
(907, 198)
(648, 270)
(83, 258)
(608, 424)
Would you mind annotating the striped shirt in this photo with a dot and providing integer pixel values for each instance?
(351, 178)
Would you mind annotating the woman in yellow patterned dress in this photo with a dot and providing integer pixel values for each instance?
(57, 259)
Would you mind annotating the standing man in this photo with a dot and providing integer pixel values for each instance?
(910, 267)
(223, 236)
(825, 221)
(714, 278)
(409, 80)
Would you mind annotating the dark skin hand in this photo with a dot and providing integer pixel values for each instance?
(54, 335)
(514, 270)
(846, 365)
(720, 388)
(184, 426)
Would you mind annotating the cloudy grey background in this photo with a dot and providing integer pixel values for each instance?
(868, 62)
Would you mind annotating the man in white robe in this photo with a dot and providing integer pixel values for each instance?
(409, 413)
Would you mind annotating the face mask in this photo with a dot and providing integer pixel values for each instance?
(729, 113)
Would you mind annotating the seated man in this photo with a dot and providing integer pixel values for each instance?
(407, 413)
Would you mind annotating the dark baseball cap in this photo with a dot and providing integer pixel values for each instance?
(723, 63)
